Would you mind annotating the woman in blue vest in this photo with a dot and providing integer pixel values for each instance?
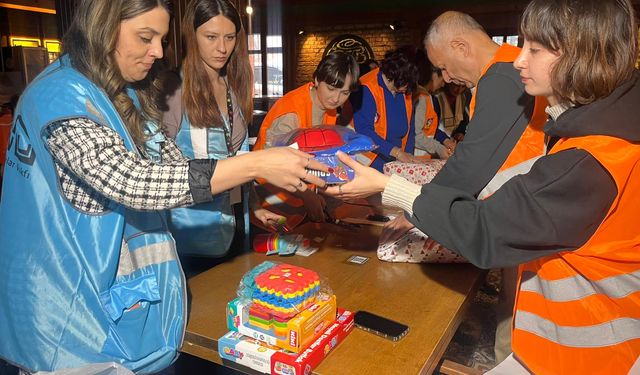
(90, 272)
(209, 108)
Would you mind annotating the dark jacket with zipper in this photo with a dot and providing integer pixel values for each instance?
(555, 207)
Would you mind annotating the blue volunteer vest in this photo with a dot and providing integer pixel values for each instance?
(79, 288)
(207, 229)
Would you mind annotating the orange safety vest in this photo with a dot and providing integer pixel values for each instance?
(531, 144)
(370, 80)
(273, 198)
(578, 312)
(297, 101)
(431, 116)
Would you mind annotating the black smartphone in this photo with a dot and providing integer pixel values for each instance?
(384, 327)
(376, 217)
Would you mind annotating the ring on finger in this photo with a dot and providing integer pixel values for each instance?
(340, 189)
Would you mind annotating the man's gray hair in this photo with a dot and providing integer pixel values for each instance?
(449, 24)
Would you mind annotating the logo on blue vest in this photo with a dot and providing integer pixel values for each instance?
(22, 147)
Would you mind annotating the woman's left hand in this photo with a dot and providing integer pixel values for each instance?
(367, 181)
(269, 219)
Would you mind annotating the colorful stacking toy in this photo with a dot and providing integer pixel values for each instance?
(282, 305)
(282, 292)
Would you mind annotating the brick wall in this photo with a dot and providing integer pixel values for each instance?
(311, 45)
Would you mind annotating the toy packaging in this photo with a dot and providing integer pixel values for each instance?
(282, 305)
(323, 142)
(284, 321)
(248, 352)
(274, 243)
(293, 334)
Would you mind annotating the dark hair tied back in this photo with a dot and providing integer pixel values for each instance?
(400, 67)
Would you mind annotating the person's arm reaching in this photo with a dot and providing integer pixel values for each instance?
(551, 209)
(95, 155)
(280, 166)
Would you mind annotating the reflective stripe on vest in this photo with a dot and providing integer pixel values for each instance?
(370, 80)
(595, 336)
(298, 102)
(78, 304)
(530, 146)
(579, 311)
(578, 287)
(505, 174)
(141, 258)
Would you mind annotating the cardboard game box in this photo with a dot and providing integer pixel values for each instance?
(299, 331)
(245, 352)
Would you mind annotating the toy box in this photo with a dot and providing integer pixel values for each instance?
(259, 356)
(246, 351)
(292, 335)
(341, 172)
(283, 363)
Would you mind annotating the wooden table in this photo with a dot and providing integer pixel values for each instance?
(430, 299)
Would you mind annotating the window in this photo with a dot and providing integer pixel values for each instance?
(513, 40)
(510, 39)
(265, 50)
(273, 69)
(498, 39)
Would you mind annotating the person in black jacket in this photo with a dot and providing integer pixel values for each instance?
(571, 217)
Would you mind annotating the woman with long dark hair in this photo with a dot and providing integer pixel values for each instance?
(92, 274)
(210, 104)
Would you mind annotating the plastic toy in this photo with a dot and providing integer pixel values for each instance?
(292, 335)
(323, 142)
(284, 290)
(283, 305)
(318, 139)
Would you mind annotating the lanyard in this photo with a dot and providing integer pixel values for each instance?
(228, 125)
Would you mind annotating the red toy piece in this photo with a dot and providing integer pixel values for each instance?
(318, 139)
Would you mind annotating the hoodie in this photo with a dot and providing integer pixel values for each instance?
(555, 207)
